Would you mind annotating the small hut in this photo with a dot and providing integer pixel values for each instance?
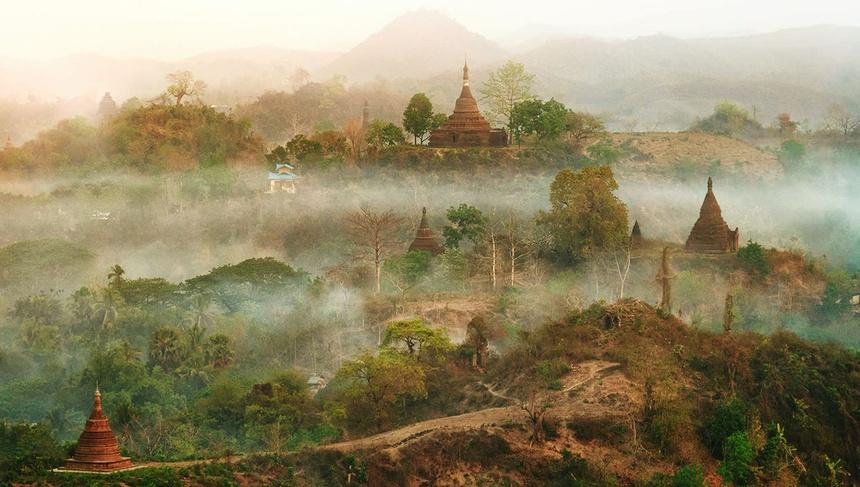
(97, 449)
(424, 238)
(710, 233)
(316, 383)
(283, 180)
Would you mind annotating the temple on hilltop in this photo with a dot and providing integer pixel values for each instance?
(97, 449)
(424, 238)
(283, 179)
(710, 232)
(107, 107)
(466, 127)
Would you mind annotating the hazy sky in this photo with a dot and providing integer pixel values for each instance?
(171, 29)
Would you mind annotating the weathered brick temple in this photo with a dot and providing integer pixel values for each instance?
(466, 127)
(424, 238)
(710, 233)
(97, 449)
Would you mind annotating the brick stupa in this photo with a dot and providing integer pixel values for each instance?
(466, 127)
(424, 238)
(710, 233)
(97, 449)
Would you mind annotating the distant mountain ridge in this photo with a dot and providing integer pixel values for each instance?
(648, 83)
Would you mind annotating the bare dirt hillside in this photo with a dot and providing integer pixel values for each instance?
(594, 390)
(651, 152)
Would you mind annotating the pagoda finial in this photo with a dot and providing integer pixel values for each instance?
(465, 72)
(710, 184)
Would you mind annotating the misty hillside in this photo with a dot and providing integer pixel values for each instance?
(418, 44)
(652, 83)
(237, 73)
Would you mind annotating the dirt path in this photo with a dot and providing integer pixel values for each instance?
(581, 375)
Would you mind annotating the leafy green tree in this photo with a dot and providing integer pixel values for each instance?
(304, 149)
(752, 257)
(730, 120)
(792, 154)
(738, 457)
(581, 126)
(586, 217)
(281, 408)
(507, 86)
(376, 385)
(604, 153)
(419, 119)
(381, 134)
(250, 281)
(729, 417)
(466, 223)
(27, 448)
(406, 271)
(689, 476)
(418, 337)
(524, 118)
(551, 122)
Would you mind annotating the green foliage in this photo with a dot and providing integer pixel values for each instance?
(738, 457)
(582, 126)
(586, 217)
(507, 86)
(730, 120)
(407, 270)
(550, 371)
(382, 134)
(604, 153)
(26, 449)
(420, 339)
(162, 136)
(753, 259)
(41, 264)
(376, 384)
(730, 417)
(792, 154)
(304, 149)
(689, 476)
(466, 223)
(546, 120)
(419, 119)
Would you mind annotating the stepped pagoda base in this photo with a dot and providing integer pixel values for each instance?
(109, 466)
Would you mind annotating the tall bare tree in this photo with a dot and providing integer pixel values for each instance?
(506, 87)
(375, 235)
(354, 133)
(839, 118)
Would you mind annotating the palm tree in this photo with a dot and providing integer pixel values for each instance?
(115, 276)
(165, 348)
(127, 352)
(219, 354)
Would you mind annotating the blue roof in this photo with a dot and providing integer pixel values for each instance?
(282, 177)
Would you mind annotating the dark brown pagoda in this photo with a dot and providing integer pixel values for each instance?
(97, 449)
(424, 239)
(710, 232)
(466, 127)
(636, 240)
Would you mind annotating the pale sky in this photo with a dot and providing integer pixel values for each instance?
(172, 29)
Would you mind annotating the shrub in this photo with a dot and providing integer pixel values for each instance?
(753, 259)
(689, 476)
(729, 418)
(737, 466)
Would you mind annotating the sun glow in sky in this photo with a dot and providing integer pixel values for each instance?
(172, 29)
